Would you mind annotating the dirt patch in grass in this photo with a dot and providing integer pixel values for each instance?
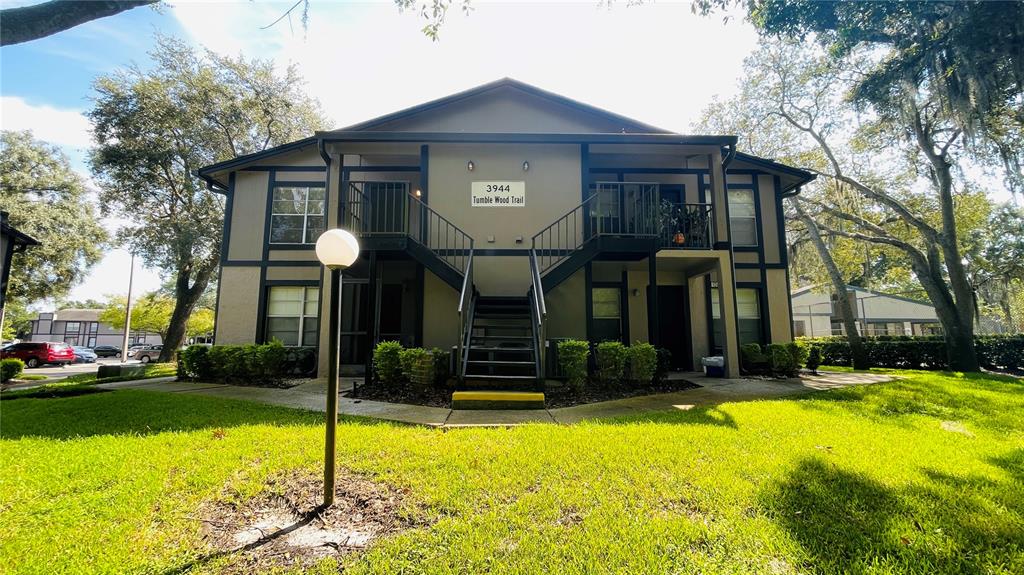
(432, 396)
(287, 527)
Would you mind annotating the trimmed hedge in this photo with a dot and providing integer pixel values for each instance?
(641, 363)
(395, 365)
(10, 368)
(611, 362)
(573, 357)
(995, 352)
(250, 364)
(778, 359)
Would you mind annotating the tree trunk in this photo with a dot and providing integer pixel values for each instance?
(858, 354)
(185, 299)
(36, 21)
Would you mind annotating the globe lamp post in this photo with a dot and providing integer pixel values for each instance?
(336, 249)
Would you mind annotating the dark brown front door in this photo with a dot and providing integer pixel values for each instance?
(674, 325)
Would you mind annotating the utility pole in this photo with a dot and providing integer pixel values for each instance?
(128, 313)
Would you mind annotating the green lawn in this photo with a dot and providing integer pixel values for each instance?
(860, 480)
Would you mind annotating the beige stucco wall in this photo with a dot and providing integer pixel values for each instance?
(238, 305)
(567, 308)
(248, 215)
(552, 188)
(440, 313)
(277, 273)
(501, 275)
(699, 341)
(769, 219)
(781, 328)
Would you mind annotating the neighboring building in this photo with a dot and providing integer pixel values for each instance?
(481, 200)
(11, 242)
(83, 327)
(816, 313)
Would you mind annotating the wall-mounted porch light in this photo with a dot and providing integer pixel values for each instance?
(526, 166)
(471, 166)
(418, 193)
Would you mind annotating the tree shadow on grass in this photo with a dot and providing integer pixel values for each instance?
(135, 412)
(893, 402)
(846, 522)
(682, 415)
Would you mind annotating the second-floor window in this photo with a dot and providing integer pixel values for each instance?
(297, 215)
(742, 217)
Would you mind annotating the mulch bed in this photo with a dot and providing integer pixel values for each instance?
(431, 397)
(563, 397)
(287, 529)
(555, 396)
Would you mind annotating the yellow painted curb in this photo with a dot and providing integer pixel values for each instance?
(497, 396)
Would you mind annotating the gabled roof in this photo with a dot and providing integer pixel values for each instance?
(628, 124)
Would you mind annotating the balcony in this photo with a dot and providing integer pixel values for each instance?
(624, 217)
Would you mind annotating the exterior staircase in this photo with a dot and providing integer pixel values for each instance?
(500, 364)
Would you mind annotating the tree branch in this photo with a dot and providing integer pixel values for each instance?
(28, 23)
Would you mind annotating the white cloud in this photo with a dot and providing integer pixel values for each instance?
(61, 126)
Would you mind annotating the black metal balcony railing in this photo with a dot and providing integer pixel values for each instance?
(685, 226)
(379, 209)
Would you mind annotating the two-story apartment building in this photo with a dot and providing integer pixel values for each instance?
(83, 327)
(500, 218)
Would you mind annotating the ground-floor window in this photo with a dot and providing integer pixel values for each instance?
(292, 315)
(748, 320)
(607, 308)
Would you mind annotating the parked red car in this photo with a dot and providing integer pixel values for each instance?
(36, 353)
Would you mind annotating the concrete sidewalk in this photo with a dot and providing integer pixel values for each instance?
(712, 391)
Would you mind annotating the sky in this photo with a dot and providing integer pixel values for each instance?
(655, 62)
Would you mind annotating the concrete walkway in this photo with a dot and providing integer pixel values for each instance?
(713, 391)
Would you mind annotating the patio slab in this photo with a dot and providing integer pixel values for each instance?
(712, 391)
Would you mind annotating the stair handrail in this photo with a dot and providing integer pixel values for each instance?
(466, 305)
(448, 241)
(540, 314)
(559, 239)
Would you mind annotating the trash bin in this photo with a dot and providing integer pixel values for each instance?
(714, 366)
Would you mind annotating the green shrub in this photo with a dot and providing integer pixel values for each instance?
(387, 362)
(642, 363)
(664, 365)
(442, 363)
(997, 352)
(611, 362)
(417, 366)
(799, 353)
(194, 363)
(753, 360)
(814, 359)
(10, 368)
(782, 361)
(249, 364)
(572, 359)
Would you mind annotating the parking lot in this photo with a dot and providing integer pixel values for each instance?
(74, 368)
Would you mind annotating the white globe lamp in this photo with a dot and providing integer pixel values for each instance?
(337, 249)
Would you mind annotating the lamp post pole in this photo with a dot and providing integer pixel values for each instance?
(334, 341)
(336, 249)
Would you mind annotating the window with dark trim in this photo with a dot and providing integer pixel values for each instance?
(748, 319)
(292, 315)
(296, 215)
(742, 217)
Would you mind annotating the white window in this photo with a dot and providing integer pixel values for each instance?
(742, 218)
(292, 315)
(297, 215)
(748, 310)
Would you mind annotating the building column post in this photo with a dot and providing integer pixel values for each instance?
(727, 311)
